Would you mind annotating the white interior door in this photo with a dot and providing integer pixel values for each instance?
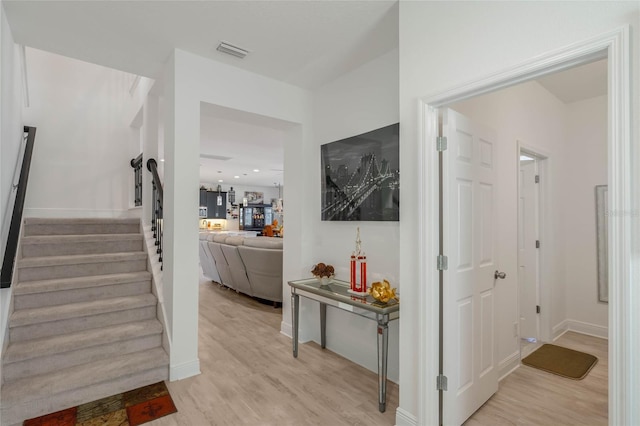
(470, 244)
(528, 261)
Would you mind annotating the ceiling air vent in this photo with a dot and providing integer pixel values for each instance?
(215, 157)
(230, 49)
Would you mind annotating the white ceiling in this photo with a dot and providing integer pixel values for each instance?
(246, 142)
(303, 42)
(579, 83)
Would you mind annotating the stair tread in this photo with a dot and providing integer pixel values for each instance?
(29, 349)
(30, 316)
(76, 259)
(77, 377)
(79, 221)
(72, 238)
(42, 286)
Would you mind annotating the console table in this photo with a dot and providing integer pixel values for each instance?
(336, 294)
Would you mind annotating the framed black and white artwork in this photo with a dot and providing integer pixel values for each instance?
(361, 177)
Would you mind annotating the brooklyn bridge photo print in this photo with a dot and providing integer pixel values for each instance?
(361, 177)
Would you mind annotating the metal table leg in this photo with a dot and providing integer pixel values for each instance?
(295, 312)
(383, 350)
(323, 325)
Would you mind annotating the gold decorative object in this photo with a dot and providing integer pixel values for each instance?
(382, 291)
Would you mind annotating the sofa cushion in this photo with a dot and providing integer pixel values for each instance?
(222, 266)
(264, 270)
(235, 240)
(220, 238)
(207, 262)
(236, 269)
(264, 242)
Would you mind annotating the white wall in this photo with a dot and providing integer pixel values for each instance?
(360, 101)
(190, 80)
(530, 114)
(586, 157)
(445, 45)
(84, 143)
(10, 142)
(10, 123)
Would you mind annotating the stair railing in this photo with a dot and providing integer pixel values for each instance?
(156, 208)
(11, 249)
(136, 163)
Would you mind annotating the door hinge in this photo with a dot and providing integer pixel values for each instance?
(537, 178)
(537, 243)
(443, 263)
(441, 382)
(441, 143)
(537, 309)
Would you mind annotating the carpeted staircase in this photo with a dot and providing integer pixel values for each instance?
(84, 322)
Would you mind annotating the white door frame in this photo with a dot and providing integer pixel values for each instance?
(624, 311)
(544, 234)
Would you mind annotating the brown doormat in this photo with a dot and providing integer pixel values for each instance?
(131, 408)
(561, 361)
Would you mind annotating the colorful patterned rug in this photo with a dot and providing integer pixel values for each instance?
(131, 408)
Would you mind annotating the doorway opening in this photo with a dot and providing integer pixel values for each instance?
(618, 175)
(530, 206)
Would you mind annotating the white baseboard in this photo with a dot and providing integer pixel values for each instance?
(404, 418)
(76, 213)
(580, 327)
(286, 329)
(182, 371)
(588, 329)
(559, 329)
(508, 365)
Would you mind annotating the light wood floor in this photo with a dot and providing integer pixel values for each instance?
(532, 397)
(249, 376)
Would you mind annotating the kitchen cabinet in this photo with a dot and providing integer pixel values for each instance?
(216, 203)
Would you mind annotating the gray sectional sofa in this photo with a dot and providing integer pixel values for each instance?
(249, 265)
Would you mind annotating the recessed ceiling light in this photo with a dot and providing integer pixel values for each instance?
(220, 180)
(256, 170)
(230, 49)
(162, 160)
(236, 177)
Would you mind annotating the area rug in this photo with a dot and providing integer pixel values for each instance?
(561, 361)
(131, 408)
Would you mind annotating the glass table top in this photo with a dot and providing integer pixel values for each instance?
(339, 291)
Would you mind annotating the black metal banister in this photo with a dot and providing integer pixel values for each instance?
(18, 207)
(156, 208)
(136, 163)
(152, 166)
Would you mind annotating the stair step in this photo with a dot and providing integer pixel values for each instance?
(51, 267)
(61, 245)
(48, 321)
(33, 294)
(40, 356)
(42, 394)
(46, 226)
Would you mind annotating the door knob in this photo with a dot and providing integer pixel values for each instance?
(500, 275)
